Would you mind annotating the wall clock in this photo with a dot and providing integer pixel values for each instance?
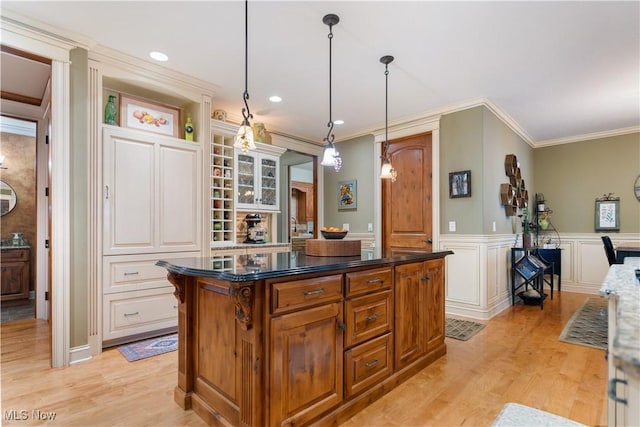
(636, 188)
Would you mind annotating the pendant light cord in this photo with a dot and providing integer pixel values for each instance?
(246, 113)
(386, 110)
(329, 138)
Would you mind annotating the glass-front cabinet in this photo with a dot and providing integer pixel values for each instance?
(257, 179)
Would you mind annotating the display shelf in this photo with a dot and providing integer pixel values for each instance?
(221, 186)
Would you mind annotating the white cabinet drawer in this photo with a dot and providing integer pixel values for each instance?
(137, 272)
(137, 312)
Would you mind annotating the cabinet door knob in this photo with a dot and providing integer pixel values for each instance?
(425, 277)
(429, 241)
(342, 326)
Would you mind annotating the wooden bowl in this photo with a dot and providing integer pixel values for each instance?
(334, 235)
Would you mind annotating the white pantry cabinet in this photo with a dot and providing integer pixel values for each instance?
(152, 203)
(152, 193)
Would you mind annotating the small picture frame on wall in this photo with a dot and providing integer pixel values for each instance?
(459, 184)
(137, 113)
(607, 215)
(347, 194)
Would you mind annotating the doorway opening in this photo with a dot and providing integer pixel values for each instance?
(18, 217)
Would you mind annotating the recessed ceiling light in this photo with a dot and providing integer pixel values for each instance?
(275, 98)
(338, 122)
(158, 56)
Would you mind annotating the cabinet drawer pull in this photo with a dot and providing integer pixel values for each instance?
(612, 390)
(134, 273)
(374, 316)
(131, 314)
(372, 363)
(316, 292)
(376, 280)
(425, 277)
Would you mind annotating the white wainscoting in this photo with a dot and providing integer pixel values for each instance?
(478, 277)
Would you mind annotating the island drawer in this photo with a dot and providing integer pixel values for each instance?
(287, 296)
(367, 316)
(368, 364)
(369, 281)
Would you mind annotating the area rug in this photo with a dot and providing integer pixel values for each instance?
(461, 329)
(152, 347)
(588, 325)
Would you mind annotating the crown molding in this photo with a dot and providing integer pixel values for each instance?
(587, 137)
(122, 66)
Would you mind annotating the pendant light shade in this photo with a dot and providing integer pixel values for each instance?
(244, 138)
(330, 157)
(387, 171)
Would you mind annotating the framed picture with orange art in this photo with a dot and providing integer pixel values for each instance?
(141, 114)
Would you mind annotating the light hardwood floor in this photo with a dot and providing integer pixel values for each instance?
(516, 358)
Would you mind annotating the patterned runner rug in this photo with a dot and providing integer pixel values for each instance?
(461, 329)
(588, 325)
(152, 347)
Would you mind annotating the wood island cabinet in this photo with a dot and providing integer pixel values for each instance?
(307, 344)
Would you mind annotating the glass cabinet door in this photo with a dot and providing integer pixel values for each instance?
(246, 179)
(268, 175)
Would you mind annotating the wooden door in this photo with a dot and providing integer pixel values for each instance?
(410, 314)
(306, 364)
(406, 203)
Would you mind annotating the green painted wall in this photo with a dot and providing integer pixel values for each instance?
(572, 176)
(477, 140)
(78, 199)
(357, 164)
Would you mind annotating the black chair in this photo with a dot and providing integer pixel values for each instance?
(608, 249)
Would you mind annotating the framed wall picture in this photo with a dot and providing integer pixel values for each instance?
(347, 195)
(140, 114)
(459, 184)
(608, 214)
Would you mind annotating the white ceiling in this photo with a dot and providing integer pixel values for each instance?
(558, 70)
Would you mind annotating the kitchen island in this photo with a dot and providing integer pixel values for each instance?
(289, 339)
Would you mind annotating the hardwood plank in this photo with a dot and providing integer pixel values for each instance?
(516, 358)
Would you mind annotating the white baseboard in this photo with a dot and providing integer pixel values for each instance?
(79, 354)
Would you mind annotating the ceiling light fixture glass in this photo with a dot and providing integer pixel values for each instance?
(275, 98)
(330, 157)
(387, 172)
(158, 56)
(244, 137)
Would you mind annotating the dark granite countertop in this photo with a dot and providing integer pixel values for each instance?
(246, 268)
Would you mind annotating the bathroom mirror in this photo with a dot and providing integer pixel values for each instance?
(8, 198)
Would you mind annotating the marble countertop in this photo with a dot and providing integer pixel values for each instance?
(621, 283)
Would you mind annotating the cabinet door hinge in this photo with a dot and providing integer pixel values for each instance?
(46, 191)
(46, 139)
(46, 295)
(46, 244)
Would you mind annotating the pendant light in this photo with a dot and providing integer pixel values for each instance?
(387, 172)
(244, 137)
(330, 156)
